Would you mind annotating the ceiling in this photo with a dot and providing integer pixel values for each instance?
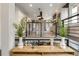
(33, 11)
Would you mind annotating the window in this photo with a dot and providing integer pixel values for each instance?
(74, 12)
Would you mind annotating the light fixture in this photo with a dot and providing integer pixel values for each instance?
(30, 5)
(50, 5)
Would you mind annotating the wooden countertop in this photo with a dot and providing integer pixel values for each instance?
(42, 50)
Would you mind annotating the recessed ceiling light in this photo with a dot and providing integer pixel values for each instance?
(50, 5)
(30, 5)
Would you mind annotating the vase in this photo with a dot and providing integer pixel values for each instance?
(63, 44)
(20, 45)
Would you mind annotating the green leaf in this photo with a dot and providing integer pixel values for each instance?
(21, 27)
(15, 25)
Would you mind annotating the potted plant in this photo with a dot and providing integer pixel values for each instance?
(20, 30)
(63, 34)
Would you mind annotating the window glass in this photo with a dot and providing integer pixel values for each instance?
(74, 12)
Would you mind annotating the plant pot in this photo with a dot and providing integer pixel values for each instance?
(63, 45)
(20, 45)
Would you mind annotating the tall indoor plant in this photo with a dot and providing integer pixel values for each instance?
(62, 31)
(63, 34)
(20, 30)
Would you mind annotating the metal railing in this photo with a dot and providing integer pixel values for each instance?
(72, 28)
(73, 25)
(37, 28)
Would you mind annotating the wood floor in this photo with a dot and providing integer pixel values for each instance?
(41, 51)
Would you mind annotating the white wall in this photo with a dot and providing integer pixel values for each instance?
(4, 28)
(0, 26)
(7, 29)
(11, 21)
(18, 14)
(9, 15)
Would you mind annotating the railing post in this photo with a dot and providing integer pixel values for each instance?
(56, 29)
(63, 23)
(41, 29)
